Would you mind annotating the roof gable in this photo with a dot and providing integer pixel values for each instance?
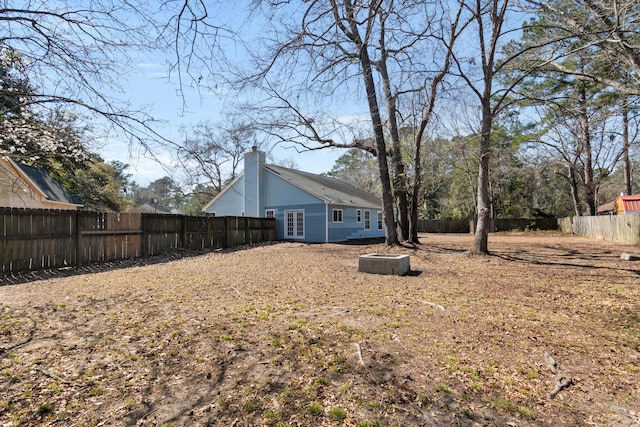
(51, 189)
(228, 188)
(331, 190)
(630, 203)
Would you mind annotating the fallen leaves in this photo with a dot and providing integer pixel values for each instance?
(262, 335)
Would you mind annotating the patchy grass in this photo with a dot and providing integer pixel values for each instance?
(293, 334)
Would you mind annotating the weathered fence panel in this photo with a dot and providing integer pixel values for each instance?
(517, 224)
(617, 228)
(108, 236)
(38, 239)
(495, 225)
(204, 232)
(161, 233)
(443, 226)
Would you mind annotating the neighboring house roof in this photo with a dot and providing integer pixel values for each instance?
(329, 189)
(606, 208)
(52, 190)
(24, 186)
(146, 208)
(628, 203)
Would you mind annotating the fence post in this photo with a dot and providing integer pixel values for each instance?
(78, 232)
(143, 226)
(225, 238)
(183, 232)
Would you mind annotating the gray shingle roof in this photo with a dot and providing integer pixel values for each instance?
(49, 186)
(329, 189)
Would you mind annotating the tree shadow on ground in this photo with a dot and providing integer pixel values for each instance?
(571, 259)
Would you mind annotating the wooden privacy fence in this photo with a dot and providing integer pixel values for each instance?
(495, 225)
(517, 224)
(42, 239)
(443, 225)
(618, 228)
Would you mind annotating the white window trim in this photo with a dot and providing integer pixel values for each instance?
(380, 221)
(367, 213)
(266, 213)
(339, 213)
(358, 215)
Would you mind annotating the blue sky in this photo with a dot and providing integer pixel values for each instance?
(147, 86)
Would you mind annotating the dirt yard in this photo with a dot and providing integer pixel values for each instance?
(292, 334)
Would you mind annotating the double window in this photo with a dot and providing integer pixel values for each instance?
(337, 215)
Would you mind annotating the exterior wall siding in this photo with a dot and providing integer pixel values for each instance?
(14, 193)
(283, 196)
(314, 221)
(349, 228)
(231, 202)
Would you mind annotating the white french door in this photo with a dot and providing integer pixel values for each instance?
(294, 224)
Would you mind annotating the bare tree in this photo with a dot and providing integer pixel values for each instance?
(211, 154)
(73, 55)
(377, 54)
(327, 51)
(428, 93)
(489, 19)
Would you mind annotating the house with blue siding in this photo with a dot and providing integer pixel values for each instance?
(306, 206)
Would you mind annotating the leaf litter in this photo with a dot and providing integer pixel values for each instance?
(544, 331)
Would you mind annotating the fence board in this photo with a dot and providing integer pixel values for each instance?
(495, 225)
(45, 239)
(443, 226)
(618, 228)
(34, 239)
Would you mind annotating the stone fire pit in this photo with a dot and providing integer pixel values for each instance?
(384, 264)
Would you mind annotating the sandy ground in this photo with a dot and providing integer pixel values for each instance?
(292, 334)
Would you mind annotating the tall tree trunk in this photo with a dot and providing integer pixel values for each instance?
(426, 118)
(399, 176)
(417, 185)
(481, 238)
(378, 136)
(488, 52)
(417, 156)
(573, 185)
(626, 164)
(376, 122)
(585, 139)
